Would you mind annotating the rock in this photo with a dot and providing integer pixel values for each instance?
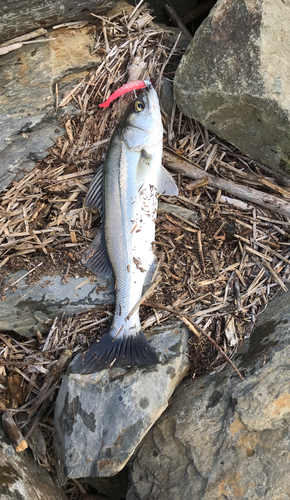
(29, 308)
(101, 418)
(166, 96)
(22, 478)
(28, 122)
(168, 208)
(234, 78)
(22, 16)
(222, 437)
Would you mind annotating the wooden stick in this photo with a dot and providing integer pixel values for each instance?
(72, 24)
(158, 84)
(16, 46)
(271, 185)
(24, 38)
(136, 13)
(91, 325)
(17, 439)
(203, 181)
(135, 10)
(22, 277)
(282, 179)
(236, 286)
(259, 254)
(195, 327)
(144, 297)
(178, 164)
(275, 276)
(105, 37)
(200, 251)
(215, 261)
(174, 17)
(10, 48)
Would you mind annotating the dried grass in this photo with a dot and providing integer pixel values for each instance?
(220, 271)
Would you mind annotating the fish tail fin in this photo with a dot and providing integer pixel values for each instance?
(109, 352)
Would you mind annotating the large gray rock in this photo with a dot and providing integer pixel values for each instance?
(234, 78)
(223, 438)
(101, 418)
(22, 478)
(28, 308)
(28, 122)
(21, 16)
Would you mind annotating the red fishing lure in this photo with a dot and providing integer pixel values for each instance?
(128, 87)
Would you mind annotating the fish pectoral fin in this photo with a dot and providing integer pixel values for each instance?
(165, 183)
(143, 167)
(94, 194)
(145, 155)
(96, 258)
(110, 352)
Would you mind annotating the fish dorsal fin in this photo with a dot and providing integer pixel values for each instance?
(165, 183)
(94, 194)
(96, 258)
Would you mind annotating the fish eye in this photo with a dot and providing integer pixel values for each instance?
(139, 106)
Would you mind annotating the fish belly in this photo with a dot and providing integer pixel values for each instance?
(129, 232)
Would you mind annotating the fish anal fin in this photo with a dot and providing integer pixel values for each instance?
(109, 352)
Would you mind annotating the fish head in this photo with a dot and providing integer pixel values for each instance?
(142, 124)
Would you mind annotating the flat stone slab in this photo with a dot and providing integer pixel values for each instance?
(101, 418)
(28, 121)
(22, 16)
(28, 308)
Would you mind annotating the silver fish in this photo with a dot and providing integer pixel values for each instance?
(125, 191)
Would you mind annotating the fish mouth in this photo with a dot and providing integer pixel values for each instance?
(151, 95)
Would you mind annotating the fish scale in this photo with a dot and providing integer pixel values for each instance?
(132, 178)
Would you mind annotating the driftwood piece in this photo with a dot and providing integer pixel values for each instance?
(17, 439)
(135, 13)
(282, 179)
(10, 48)
(24, 38)
(174, 162)
(16, 46)
(71, 25)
